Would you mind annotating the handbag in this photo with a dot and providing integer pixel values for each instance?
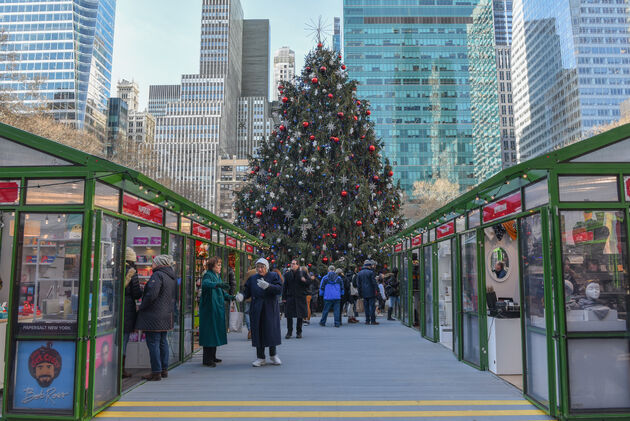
(236, 318)
(360, 308)
(354, 292)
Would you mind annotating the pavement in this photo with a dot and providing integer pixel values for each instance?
(356, 371)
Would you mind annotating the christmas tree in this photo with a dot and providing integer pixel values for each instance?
(318, 189)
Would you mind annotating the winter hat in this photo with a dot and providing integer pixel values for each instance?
(331, 268)
(263, 261)
(339, 271)
(130, 255)
(163, 260)
(367, 263)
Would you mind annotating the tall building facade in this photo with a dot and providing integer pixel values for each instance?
(570, 68)
(194, 130)
(503, 40)
(283, 67)
(65, 47)
(129, 92)
(337, 35)
(231, 175)
(413, 64)
(117, 124)
(160, 96)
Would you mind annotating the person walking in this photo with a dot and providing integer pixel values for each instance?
(155, 315)
(368, 290)
(264, 288)
(381, 297)
(392, 289)
(133, 292)
(331, 289)
(212, 331)
(294, 298)
(309, 295)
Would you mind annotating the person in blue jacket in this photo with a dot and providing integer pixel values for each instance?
(264, 287)
(331, 289)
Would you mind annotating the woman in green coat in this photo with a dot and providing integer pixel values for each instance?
(212, 331)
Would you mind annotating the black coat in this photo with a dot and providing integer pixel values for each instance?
(367, 283)
(158, 301)
(133, 292)
(264, 313)
(294, 292)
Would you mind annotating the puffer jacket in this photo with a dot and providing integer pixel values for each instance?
(331, 287)
(158, 301)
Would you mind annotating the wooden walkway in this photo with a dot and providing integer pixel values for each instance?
(357, 371)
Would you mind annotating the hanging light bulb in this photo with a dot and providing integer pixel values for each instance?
(46, 220)
(58, 218)
(138, 227)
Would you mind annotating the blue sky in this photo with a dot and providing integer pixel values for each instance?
(156, 41)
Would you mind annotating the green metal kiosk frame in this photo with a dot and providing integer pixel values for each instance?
(564, 218)
(65, 220)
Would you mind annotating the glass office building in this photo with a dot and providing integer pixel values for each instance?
(413, 62)
(571, 70)
(65, 48)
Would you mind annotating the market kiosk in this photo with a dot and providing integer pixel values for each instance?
(538, 279)
(66, 218)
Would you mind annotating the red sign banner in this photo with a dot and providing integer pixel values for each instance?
(627, 183)
(249, 248)
(9, 192)
(503, 207)
(201, 231)
(398, 248)
(133, 206)
(230, 242)
(416, 241)
(445, 230)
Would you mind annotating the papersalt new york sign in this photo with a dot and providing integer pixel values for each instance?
(501, 208)
(133, 206)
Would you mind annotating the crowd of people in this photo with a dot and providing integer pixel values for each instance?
(297, 293)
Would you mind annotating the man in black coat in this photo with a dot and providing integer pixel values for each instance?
(368, 288)
(155, 315)
(294, 293)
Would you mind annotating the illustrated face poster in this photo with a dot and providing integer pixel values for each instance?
(44, 375)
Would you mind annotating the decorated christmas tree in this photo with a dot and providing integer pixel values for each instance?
(319, 189)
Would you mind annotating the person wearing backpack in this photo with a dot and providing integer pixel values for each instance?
(331, 289)
(392, 289)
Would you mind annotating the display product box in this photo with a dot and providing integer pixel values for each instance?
(156, 241)
(140, 241)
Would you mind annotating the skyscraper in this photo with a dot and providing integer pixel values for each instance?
(503, 40)
(160, 96)
(414, 65)
(570, 68)
(65, 47)
(337, 35)
(200, 125)
(129, 92)
(283, 67)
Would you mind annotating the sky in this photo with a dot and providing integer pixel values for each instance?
(156, 41)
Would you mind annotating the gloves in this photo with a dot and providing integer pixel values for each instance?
(224, 286)
(263, 284)
(239, 297)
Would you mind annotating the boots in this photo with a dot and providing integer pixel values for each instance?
(125, 373)
(389, 314)
(249, 334)
(164, 374)
(153, 377)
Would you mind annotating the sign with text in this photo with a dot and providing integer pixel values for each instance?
(501, 208)
(398, 248)
(445, 230)
(133, 206)
(41, 327)
(9, 192)
(201, 231)
(249, 248)
(416, 241)
(230, 242)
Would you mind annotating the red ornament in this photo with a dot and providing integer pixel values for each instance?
(368, 112)
(314, 80)
(331, 96)
(334, 229)
(362, 137)
(285, 99)
(340, 114)
(308, 69)
(275, 161)
(359, 223)
(282, 128)
(273, 260)
(275, 209)
(322, 69)
(253, 172)
(312, 137)
(336, 139)
(304, 161)
(375, 178)
(343, 67)
(320, 45)
(334, 235)
(358, 102)
(357, 187)
(344, 193)
(391, 223)
(309, 265)
(258, 214)
(280, 87)
(356, 118)
(372, 148)
(305, 124)
(390, 173)
(262, 235)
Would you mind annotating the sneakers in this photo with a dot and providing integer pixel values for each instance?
(259, 362)
(275, 360)
(153, 377)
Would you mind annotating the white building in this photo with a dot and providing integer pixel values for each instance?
(129, 92)
(283, 67)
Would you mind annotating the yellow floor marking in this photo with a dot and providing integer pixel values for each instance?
(320, 414)
(320, 403)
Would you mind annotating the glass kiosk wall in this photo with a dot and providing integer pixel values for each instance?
(429, 327)
(445, 292)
